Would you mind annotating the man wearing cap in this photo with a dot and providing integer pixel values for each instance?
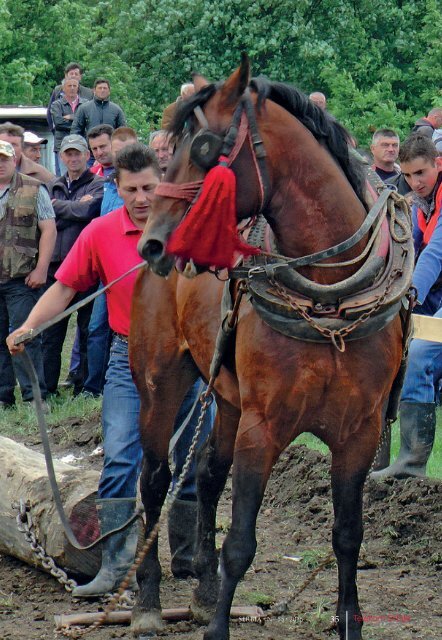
(32, 146)
(14, 134)
(27, 238)
(76, 198)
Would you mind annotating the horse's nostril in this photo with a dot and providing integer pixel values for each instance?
(152, 251)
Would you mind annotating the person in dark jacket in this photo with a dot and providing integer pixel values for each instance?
(99, 110)
(426, 126)
(76, 198)
(72, 71)
(62, 112)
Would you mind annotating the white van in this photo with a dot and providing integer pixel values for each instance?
(32, 119)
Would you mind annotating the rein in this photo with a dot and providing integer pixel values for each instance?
(243, 127)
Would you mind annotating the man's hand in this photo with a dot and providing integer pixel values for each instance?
(86, 198)
(14, 349)
(37, 278)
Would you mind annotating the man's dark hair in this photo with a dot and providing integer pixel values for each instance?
(101, 81)
(12, 129)
(135, 158)
(418, 146)
(71, 66)
(383, 133)
(99, 130)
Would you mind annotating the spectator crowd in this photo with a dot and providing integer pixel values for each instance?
(65, 235)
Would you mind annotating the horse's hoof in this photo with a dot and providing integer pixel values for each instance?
(146, 623)
(202, 613)
(214, 633)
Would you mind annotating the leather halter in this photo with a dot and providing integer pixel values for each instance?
(243, 127)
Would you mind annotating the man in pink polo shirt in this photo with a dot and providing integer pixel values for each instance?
(106, 249)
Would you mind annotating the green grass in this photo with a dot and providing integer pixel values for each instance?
(434, 467)
(22, 420)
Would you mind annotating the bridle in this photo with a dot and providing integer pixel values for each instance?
(208, 149)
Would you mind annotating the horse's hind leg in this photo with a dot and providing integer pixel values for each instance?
(214, 462)
(347, 487)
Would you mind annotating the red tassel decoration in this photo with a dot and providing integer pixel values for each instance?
(208, 234)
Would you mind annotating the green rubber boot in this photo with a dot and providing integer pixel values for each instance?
(418, 426)
(182, 536)
(118, 550)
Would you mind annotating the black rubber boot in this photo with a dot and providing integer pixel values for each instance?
(418, 425)
(182, 536)
(382, 458)
(118, 550)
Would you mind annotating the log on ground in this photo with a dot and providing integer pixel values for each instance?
(23, 475)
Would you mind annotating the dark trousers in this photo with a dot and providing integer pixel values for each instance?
(54, 337)
(16, 303)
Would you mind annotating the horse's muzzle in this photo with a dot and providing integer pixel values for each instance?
(153, 251)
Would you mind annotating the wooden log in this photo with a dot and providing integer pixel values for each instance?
(23, 476)
(63, 621)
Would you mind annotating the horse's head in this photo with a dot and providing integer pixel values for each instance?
(208, 125)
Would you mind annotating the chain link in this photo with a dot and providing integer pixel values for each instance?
(25, 525)
(282, 607)
(336, 336)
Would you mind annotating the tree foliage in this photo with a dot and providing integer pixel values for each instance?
(378, 62)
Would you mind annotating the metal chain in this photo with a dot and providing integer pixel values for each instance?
(281, 607)
(336, 336)
(25, 525)
(69, 632)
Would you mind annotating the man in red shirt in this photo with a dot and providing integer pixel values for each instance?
(106, 249)
(99, 139)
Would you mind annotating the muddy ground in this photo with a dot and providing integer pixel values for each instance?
(399, 575)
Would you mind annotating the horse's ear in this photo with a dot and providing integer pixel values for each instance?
(237, 83)
(199, 82)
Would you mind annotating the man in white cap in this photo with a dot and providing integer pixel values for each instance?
(27, 239)
(14, 134)
(32, 145)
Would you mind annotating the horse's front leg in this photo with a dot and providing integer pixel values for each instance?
(154, 482)
(214, 463)
(252, 464)
(159, 407)
(350, 466)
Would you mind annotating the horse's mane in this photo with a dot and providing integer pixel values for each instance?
(321, 124)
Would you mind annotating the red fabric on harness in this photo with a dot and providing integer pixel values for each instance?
(208, 234)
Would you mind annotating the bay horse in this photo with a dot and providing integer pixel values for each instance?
(270, 387)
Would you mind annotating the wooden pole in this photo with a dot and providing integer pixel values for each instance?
(170, 615)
